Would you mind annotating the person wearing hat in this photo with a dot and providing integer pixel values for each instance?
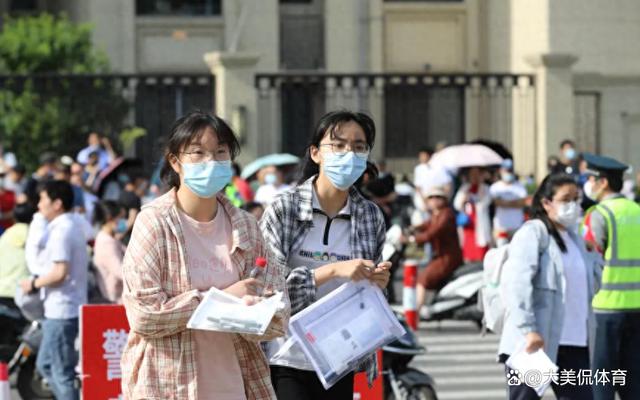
(510, 197)
(441, 231)
(613, 227)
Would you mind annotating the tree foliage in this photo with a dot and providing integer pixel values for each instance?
(48, 44)
(46, 101)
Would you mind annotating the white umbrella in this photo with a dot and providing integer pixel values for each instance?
(277, 160)
(464, 156)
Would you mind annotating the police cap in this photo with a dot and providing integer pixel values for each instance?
(603, 166)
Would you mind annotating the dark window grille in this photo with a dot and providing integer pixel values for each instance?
(178, 7)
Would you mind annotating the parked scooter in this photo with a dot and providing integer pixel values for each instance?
(20, 351)
(402, 382)
(458, 299)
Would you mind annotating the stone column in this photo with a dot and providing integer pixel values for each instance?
(236, 96)
(554, 104)
(346, 36)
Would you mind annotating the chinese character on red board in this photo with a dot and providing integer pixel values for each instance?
(114, 342)
(103, 334)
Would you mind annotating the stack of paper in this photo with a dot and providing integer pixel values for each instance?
(223, 312)
(533, 369)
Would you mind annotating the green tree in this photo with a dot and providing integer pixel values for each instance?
(48, 44)
(44, 104)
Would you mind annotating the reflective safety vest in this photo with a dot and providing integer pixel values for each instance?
(233, 195)
(620, 288)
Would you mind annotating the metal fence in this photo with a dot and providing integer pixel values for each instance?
(411, 110)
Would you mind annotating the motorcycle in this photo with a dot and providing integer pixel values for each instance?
(19, 350)
(458, 299)
(402, 382)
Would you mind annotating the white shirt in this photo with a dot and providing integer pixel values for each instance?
(326, 242)
(576, 310)
(64, 244)
(508, 219)
(36, 240)
(267, 193)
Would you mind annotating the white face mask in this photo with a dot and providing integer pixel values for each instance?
(590, 190)
(508, 177)
(567, 214)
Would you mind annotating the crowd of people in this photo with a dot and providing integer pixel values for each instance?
(570, 284)
(156, 244)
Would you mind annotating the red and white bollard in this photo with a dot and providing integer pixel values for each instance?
(409, 300)
(5, 390)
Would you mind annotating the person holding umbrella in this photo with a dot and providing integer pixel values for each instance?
(472, 202)
(473, 199)
(272, 185)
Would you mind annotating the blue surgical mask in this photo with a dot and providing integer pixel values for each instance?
(508, 177)
(343, 170)
(570, 154)
(121, 226)
(207, 178)
(270, 179)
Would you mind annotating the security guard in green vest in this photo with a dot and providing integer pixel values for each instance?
(613, 228)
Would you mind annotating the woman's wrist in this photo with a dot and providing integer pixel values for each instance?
(324, 273)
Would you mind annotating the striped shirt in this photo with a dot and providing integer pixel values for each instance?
(159, 361)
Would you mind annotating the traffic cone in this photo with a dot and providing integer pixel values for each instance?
(5, 390)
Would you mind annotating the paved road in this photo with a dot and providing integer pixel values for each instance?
(462, 362)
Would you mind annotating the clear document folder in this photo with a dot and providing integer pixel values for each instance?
(223, 312)
(340, 330)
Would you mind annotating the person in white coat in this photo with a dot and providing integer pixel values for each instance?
(472, 202)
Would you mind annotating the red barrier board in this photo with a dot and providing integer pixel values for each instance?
(103, 334)
(361, 389)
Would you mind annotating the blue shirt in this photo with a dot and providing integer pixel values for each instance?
(64, 244)
(104, 159)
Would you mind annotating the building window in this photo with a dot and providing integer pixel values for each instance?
(23, 6)
(178, 7)
(418, 116)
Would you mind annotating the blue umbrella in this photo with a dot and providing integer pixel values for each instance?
(266, 161)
